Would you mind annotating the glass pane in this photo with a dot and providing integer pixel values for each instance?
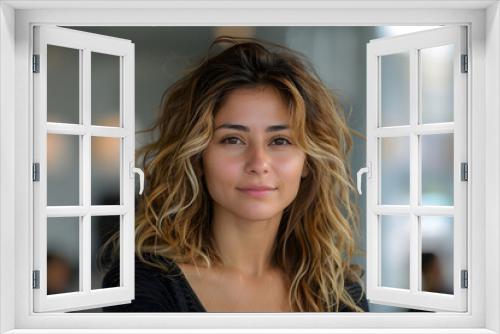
(63, 84)
(437, 169)
(436, 75)
(395, 170)
(105, 89)
(105, 171)
(63, 253)
(437, 254)
(395, 89)
(395, 251)
(103, 227)
(63, 169)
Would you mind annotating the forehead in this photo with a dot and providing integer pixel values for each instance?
(260, 105)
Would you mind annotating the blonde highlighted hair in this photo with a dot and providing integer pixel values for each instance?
(317, 236)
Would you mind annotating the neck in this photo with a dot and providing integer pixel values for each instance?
(245, 246)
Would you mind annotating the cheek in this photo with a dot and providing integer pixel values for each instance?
(291, 171)
(218, 170)
(292, 166)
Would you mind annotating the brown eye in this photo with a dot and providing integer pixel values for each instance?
(280, 141)
(231, 140)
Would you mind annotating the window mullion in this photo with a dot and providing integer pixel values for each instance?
(414, 173)
(85, 228)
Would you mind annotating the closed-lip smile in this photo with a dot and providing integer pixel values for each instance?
(256, 188)
(257, 191)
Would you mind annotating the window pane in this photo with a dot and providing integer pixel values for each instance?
(63, 170)
(105, 89)
(395, 89)
(436, 75)
(105, 171)
(437, 254)
(63, 253)
(103, 227)
(395, 251)
(63, 84)
(437, 169)
(395, 170)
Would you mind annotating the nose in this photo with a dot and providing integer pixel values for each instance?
(258, 161)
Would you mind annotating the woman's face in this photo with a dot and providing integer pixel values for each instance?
(252, 165)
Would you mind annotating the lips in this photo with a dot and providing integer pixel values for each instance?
(256, 188)
(257, 191)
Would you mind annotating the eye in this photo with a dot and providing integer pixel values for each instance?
(280, 141)
(231, 140)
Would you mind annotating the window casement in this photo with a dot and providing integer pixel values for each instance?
(478, 133)
(416, 157)
(79, 128)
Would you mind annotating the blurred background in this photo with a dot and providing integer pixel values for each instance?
(162, 54)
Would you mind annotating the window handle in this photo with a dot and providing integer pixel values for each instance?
(362, 171)
(133, 171)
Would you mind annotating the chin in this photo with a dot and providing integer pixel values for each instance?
(258, 218)
(258, 214)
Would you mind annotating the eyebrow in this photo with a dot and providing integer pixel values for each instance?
(239, 127)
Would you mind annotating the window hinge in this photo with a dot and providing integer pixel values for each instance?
(36, 171)
(465, 64)
(464, 171)
(36, 63)
(465, 279)
(36, 279)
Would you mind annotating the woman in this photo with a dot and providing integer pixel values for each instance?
(247, 205)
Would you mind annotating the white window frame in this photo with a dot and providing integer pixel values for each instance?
(16, 20)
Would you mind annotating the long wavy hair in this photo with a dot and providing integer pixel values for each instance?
(317, 236)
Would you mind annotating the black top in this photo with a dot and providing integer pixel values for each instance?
(158, 291)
